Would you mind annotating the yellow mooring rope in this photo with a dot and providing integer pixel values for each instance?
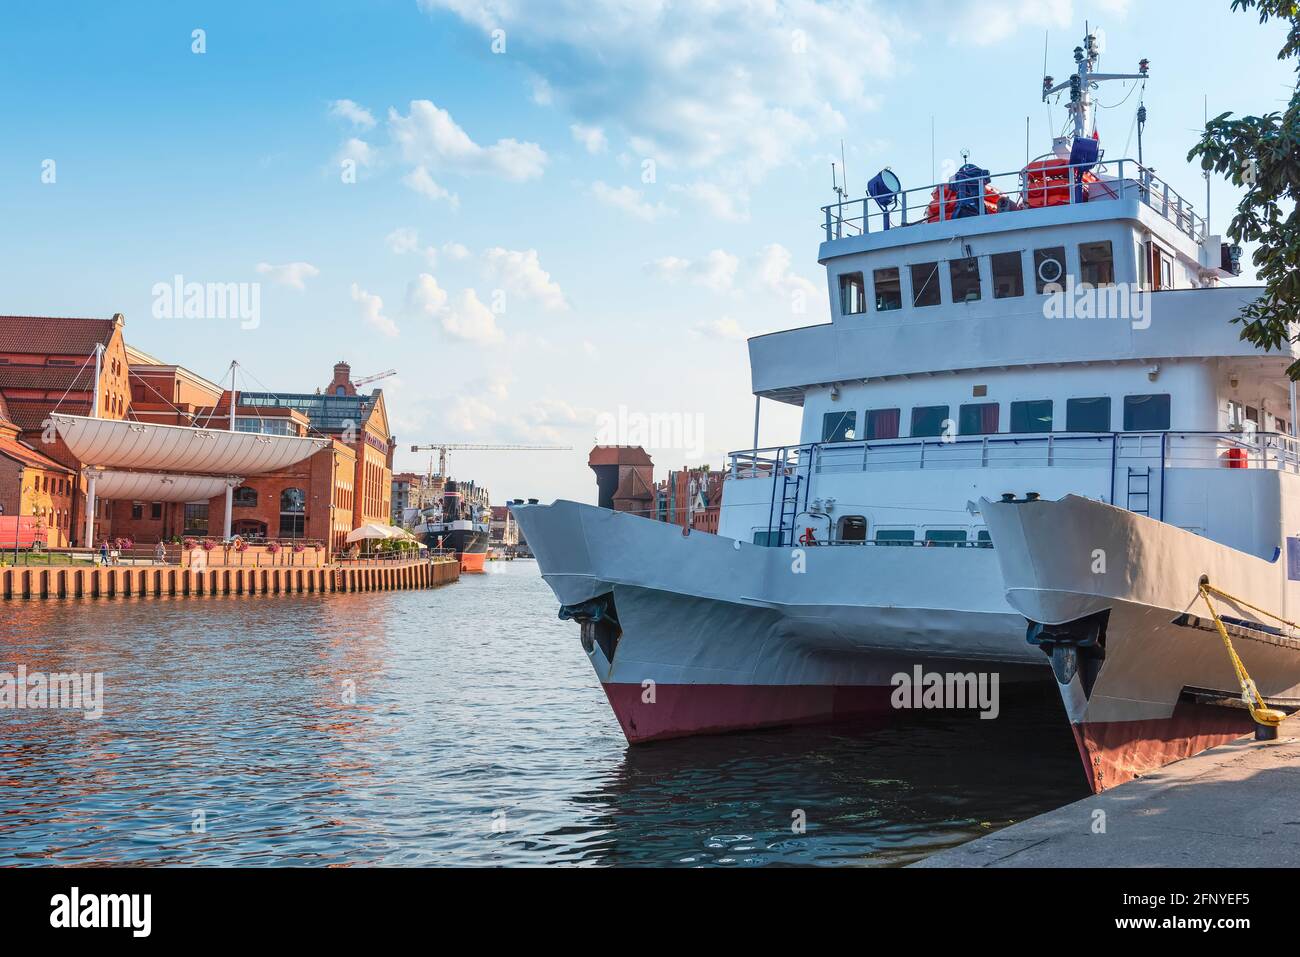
(1268, 717)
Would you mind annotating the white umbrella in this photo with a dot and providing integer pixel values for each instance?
(371, 530)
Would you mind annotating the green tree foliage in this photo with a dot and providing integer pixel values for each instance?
(1262, 154)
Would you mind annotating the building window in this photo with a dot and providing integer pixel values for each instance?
(889, 289)
(155, 511)
(852, 528)
(1008, 275)
(1088, 415)
(1096, 264)
(196, 519)
(895, 536)
(1031, 416)
(839, 426)
(965, 274)
(853, 294)
(978, 418)
(947, 537)
(293, 506)
(925, 284)
(929, 420)
(137, 511)
(1049, 269)
(245, 497)
(1146, 413)
(882, 424)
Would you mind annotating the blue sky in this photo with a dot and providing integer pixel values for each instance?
(504, 246)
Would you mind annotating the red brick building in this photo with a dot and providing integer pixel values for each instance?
(47, 366)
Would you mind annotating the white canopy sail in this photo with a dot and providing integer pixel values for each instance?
(156, 487)
(118, 443)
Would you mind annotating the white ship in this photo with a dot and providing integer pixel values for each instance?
(1028, 431)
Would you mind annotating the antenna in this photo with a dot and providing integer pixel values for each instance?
(1082, 81)
(844, 166)
(1205, 121)
(932, 174)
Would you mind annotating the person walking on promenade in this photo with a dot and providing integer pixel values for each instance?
(160, 553)
(103, 552)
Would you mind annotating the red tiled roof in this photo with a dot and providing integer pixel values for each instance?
(30, 414)
(15, 450)
(47, 335)
(618, 455)
(47, 377)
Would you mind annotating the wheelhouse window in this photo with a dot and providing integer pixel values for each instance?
(1096, 264)
(928, 420)
(1049, 269)
(767, 538)
(889, 289)
(1008, 275)
(293, 507)
(925, 284)
(978, 418)
(895, 536)
(947, 537)
(853, 294)
(839, 426)
(1161, 267)
(1146, 413)
(882, 424)
(1088, 415)
(852, 528)
(983, 539)
(965, 274)
(1034, 415)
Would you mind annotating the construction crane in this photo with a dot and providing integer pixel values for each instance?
(366, 380)
(443, 448)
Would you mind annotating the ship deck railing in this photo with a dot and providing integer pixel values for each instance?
(1117, 179)
(1159, 449)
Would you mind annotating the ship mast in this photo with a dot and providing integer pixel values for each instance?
(1081, 82)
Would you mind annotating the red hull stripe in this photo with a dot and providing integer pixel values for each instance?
(1117, 751)
(681, 710)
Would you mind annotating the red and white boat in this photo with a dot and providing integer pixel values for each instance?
(1065, 330)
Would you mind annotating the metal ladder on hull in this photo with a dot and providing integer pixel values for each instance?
(1138, 487)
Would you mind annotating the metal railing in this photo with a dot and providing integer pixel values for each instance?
(854, 217)
(1248, 450)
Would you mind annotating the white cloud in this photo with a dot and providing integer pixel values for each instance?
(542, 94)
(520, 272)
(428, 138)
(361, 153)
(424, 295)
(716, 271)
(730, 205)
(371, 309)
(746, 82)
(629, 200)
(293, 275)
(988, 22)
(353, 112)
(772, 267)
(592, 138)
(455, 251)
(589, 349)
(726, 328)
(421, 182)
(403, 240)
(468, 319)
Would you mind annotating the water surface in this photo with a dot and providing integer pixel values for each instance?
(477, 735)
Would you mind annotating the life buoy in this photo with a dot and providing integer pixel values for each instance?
(808, 537)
